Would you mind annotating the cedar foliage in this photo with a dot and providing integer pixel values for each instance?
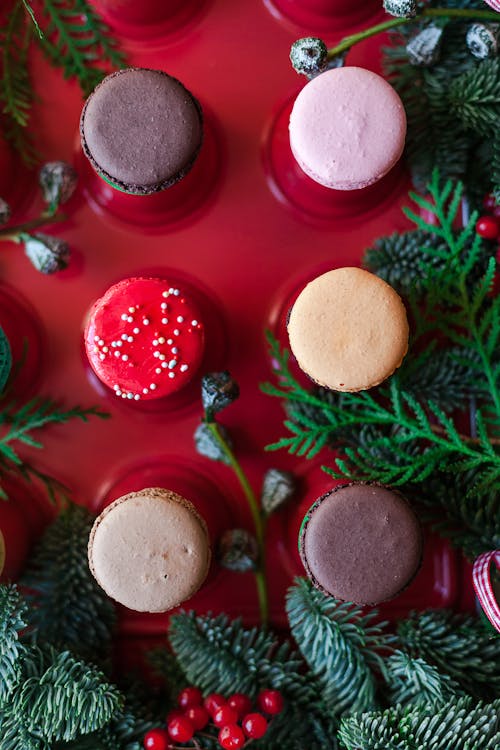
(403, 432)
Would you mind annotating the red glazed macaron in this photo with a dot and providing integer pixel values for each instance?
(144, 338)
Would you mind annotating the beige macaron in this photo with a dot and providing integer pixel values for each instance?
(149, 550)
(348, 330)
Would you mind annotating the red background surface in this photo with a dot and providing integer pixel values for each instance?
(250, 250)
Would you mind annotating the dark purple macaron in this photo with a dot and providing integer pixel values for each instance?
(361, 543)
(141, 130)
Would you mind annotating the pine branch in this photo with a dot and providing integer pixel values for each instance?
(413, 681)
(340, 644)
(12, 622)
(461, 725)
(459, 646)
(77, 40)
(67, 607)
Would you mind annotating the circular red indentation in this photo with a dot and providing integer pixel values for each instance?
(144, 338)
(311, 201)
(326, 15)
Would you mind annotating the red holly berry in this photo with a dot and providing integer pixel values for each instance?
(240, 703)
(270, 701)
(488, 227)
(231, 737)
(173, 714)
(254, 726)
(190, 696)
(156, 739)
(224, 715)
(214, 701)
(180, 729)
(198, 716)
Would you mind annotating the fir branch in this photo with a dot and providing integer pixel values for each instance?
(68, 609)
(459, 646)
(468, 520)
(413, 681)
(340, 645)
(166, 666)
(68, 699)
(474, 98)
(496, 165)
(219, 655)
(437, 135)
(12, 622)
(461, 725)
(77, 40)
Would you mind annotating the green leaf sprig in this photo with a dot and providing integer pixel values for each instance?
(72, 36)
(395, 434)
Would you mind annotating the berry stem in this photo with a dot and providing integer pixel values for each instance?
(350, 41)
(258, 519)
(14, 233)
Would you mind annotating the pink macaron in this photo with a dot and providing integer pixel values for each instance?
(347, 128)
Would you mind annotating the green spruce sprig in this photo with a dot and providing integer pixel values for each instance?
(72, 36)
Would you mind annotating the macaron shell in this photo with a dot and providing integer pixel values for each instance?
(149, 550)
(348, 330)
(141, 129)
(347, 128)
(144, 338)
(361, 543)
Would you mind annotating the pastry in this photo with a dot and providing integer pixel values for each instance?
(361, 543)
(141, 130)
(348, 330)
(144, 338)
(347, 128)
(149, 550)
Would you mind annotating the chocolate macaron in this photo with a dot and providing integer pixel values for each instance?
(348, 330)
(149, 550)
(361, 543)
(142, 130)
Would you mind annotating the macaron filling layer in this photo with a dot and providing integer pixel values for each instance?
(361, 543)
(149, 550)
(348, 330)
(347, 128)
(144, 338)
(141, 130)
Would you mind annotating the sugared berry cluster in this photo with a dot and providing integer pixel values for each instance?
(488, 225)
(232, 717)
